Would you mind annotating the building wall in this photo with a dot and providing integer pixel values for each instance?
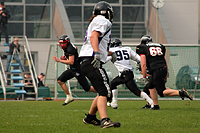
(182, 19)
(41, 47)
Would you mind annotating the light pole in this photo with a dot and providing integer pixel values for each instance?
(157, 4)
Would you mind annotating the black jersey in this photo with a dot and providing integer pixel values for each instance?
(154, 53)
(72, 50)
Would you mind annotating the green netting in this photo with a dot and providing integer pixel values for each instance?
(183, 65)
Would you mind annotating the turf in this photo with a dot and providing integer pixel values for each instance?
(51, 116)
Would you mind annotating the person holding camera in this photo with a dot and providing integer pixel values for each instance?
(14, 46)
(4, 16)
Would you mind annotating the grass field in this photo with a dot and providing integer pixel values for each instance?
(51, 116)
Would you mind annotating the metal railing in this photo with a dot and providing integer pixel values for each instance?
(31, 66)
(31, 69)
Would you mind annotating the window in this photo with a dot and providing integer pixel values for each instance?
(115, 30)
(13, 1)
(116, 17)
(34, 17)
(72, 2)
(16, 12)
(77, 30)
(19, 28)
(133, 14)
(96, 1)
(38, 30)
(133, 2)
(37, 13)
(87, 13)
(133, 30)
(74, 13)
(37, 1)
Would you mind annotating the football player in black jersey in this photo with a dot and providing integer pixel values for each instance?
(153, 57)
(71, 54)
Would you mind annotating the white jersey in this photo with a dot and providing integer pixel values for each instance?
(124, 54)
(102, 25)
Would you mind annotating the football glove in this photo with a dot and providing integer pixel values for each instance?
(138, 67)
(96, 62)
(145, 80)
(114, 57)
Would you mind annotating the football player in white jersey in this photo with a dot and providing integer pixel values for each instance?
(92, 55)
(123, 64)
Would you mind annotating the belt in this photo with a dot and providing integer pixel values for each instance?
(161, 68)
(86, 59)
(126, 71)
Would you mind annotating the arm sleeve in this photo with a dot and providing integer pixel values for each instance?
(7, 14)
(18, 47)
(140, 49)
(163, 49)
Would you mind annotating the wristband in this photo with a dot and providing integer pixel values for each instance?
(144, 76)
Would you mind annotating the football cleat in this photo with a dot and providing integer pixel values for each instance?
(156, 107)
(68, 100)
(184, 93)
(147, 106)
(114, 105)
(94, 121)
(106, 123)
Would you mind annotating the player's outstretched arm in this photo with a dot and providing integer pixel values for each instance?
(68, 62)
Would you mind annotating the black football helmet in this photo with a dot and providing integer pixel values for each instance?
(105, 9)
(146, 39)
(115, 42)
(63, 41)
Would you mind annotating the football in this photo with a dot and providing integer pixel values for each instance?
(108, 104)
(63, 57)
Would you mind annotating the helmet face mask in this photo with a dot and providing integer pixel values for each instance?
(146, 39)
(105, 9)
(63, 45)
(63, 41)
(115, 42)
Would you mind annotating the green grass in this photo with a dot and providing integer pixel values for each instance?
(51, 116)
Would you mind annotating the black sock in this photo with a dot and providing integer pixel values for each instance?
(91, 116)
(156, 106)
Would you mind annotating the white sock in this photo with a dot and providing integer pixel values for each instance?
(147, 98)
(115, 93)
(68, 96)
